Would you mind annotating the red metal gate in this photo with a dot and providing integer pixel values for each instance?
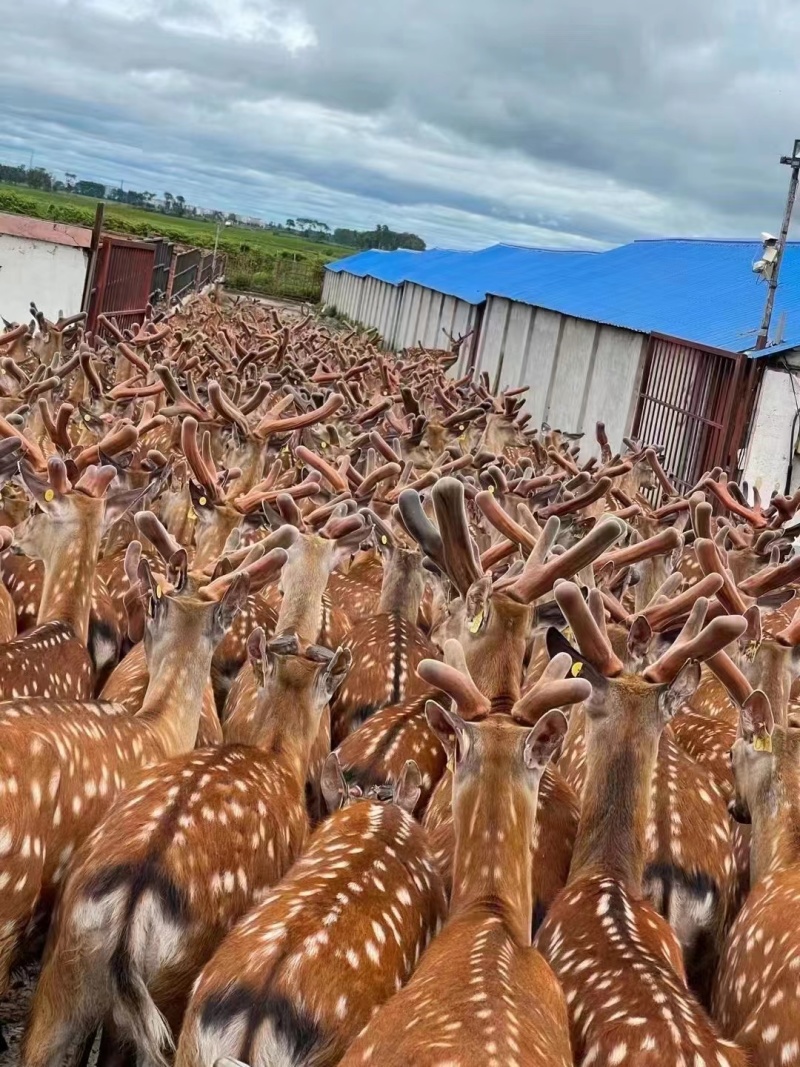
(695, 402)
(124, 282)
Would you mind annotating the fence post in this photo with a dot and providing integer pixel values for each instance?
(171, 279)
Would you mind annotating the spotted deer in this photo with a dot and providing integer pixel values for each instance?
(52, 660)
(387, 647)
(690, 875)
(298, 978)
(177, 860)
(758, 974)
(493, 620)
(481, 992)
(63, 761)
(311, 558)
(616, 958)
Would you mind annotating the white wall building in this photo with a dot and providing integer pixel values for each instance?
(44, 262)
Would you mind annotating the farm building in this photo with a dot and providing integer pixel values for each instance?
(655, 336)
(60, 267)
(41, 257)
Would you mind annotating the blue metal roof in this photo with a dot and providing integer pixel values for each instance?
(702, 291)
(470, 276)
(699, 290)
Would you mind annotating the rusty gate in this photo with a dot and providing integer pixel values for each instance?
(123, 282)
(695, 402)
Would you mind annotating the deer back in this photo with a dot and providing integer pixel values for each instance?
(363, 901)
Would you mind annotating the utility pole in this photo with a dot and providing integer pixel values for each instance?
(792, 161)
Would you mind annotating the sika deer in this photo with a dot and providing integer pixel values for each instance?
(388, 646)
(178, 859)
(61, 762)
(493, 624)
(690, 874)
(300, 976)
(52, 660)
(614, 955)
(481, 993)
(756, 984)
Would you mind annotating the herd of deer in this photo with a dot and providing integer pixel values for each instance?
(345, 718)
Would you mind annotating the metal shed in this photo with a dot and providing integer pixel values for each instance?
(646, 337)
(366, 287)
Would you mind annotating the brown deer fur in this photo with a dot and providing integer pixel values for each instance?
(300, 976)
(757, 979)
(614, 955)
(179, 858)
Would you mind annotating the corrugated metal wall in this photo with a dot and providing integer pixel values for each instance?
(343, 291)
(430, 318)
(578, 371)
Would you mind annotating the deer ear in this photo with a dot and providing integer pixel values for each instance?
(178, 569)
(232, 602)
(476, 603)
(408, 789)
(639, 638)
(449, 727)
(257, 655)
(682, 689)
(544, 740)
(757, 721)
(120, 504)
(335, 671)
(333, 784)
(753, 634)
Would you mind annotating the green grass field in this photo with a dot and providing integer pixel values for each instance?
(272, 263)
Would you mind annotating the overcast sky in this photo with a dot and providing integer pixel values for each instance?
(550, 122)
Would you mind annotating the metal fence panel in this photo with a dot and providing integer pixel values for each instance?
(695, 403)
(124, 279)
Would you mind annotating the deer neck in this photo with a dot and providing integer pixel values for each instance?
(288, 729)
(304, 579)
(775, 837)
(492, 861)
(179, 671)
(770, 671)
(214, 536)
(69, 575)
(620, 763)
(249, 458)
(495, 655)
(401, 590)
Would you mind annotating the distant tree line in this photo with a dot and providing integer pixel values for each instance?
(310, 229)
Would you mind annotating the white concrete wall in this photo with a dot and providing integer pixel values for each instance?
(771, 444)
(50, 275)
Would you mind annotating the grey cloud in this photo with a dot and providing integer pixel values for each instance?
(561, 122)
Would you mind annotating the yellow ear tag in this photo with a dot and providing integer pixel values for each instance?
(475, 624)
(384, 539)
(87, 418)
(752, 650)
(284, 450)
(49, 494)
(576, 669)
(569, 635)
(491, 489)
(203, 501)
(461, 429)
(323, 444)
(763, 744)
(159, 594)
